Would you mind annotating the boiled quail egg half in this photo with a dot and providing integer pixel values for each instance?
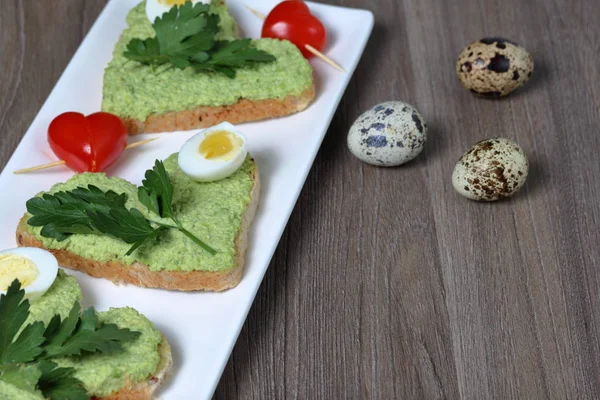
(156, 8)
(36, 270)
(214, 153)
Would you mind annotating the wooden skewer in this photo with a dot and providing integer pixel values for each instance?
(62, 162)
(308, 47)
(39, 167)
(253, 11)
(140, 143)
(324, 57)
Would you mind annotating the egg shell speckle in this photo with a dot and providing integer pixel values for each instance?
(388, 135)
(491, 170)
(494, 67)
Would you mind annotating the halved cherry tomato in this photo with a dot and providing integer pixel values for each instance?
(293, 21)
(89, 143)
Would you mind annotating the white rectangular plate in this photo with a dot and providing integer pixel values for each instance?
(201, 327)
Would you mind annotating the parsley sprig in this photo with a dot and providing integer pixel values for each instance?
(26, 353)
(93, 211)
(156, 193)
(185, 37)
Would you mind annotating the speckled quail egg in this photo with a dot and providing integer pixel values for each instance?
(494, 67)
(388, 134)
(491, 170)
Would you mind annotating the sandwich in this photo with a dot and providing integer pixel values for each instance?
(155, 92)
(116, 354)
(185, 229)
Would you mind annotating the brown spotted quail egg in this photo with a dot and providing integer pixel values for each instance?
(491, 170)
(494, 67)
(388, 134)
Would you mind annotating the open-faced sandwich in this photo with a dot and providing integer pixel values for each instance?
(188, 68)
(185, 228)
(49, 349)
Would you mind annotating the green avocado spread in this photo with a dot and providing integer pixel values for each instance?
(135, 90)
(101, 374)
(213, 211)
(58, 299)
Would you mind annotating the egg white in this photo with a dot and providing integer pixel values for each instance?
(194, 165)
(155, 8)
(46, 265)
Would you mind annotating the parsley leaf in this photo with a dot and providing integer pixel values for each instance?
(25, 362)
(44, 378)
(60, 338)
(128, 225)
(90, 211)
(236, 53)
(54, 217)
(13, 314)
(185, 37)
(24, 377)
(57, 332)
(65, 213)
(185, 29)
(59, 383)
(156, 193)
(93, 211)
(76, 334)
(146, 52)
(230, 55)
(26, 346)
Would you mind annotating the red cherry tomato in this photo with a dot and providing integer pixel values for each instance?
(293, 21)
(291, 6)
(89, 143)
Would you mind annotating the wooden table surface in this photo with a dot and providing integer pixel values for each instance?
(388, 284)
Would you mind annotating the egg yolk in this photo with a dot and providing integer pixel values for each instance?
(220, 145)
(16, 267)
(172, 2)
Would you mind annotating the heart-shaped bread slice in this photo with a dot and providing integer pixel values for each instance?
(219, 212)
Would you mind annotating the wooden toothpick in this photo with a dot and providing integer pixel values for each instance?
(308, 47)
(39, 167)
(140, 143)
(62, 162)
(253, 11)
(324, 57)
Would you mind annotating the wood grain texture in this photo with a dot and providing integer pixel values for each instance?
(387, 284)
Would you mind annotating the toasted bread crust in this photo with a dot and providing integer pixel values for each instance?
(203, 117)
(145, 390)
(140, 275)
